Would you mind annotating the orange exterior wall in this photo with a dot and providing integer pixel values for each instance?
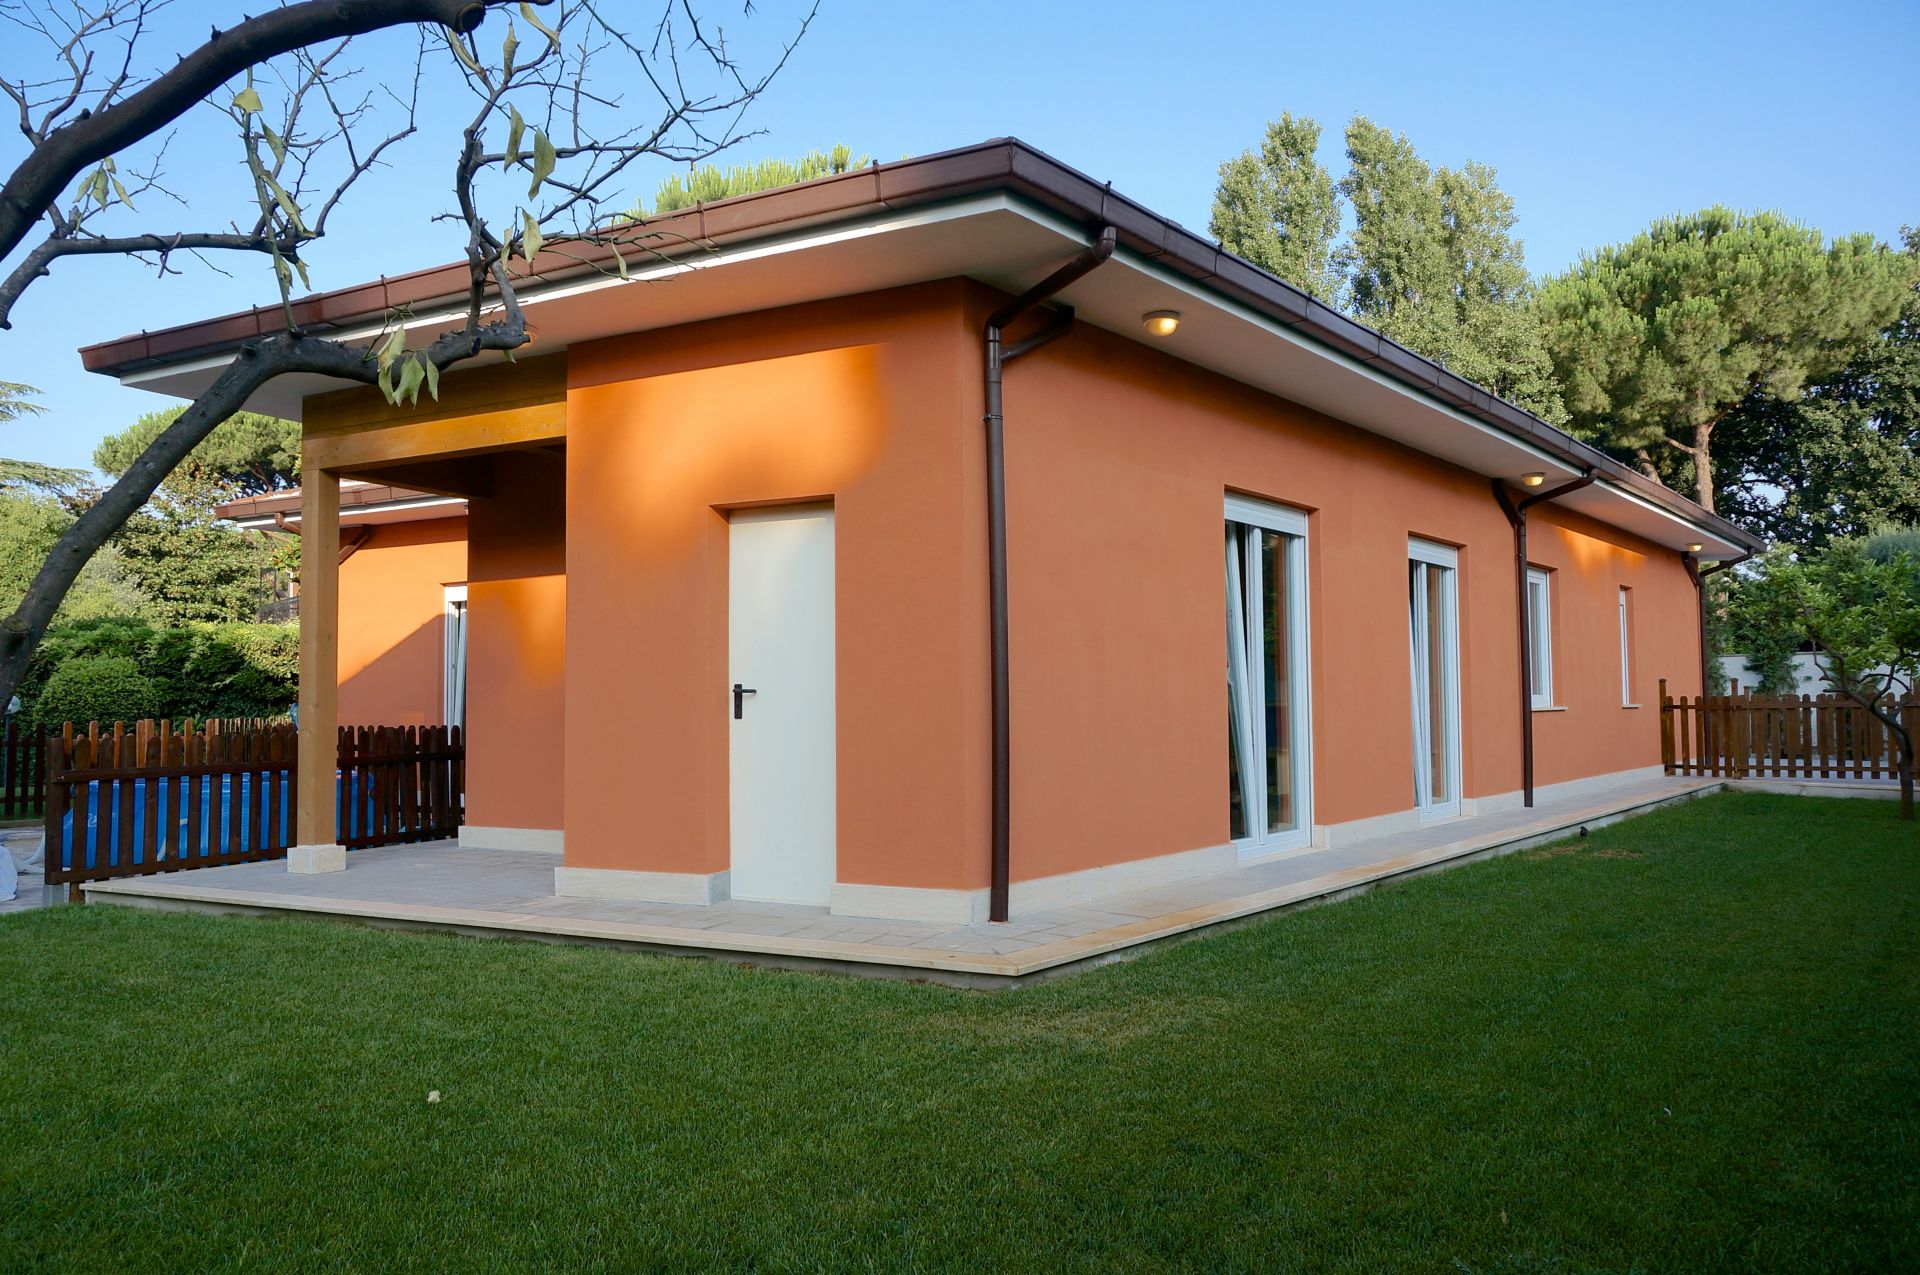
(1118, 460)
(1591, 562)
(517, 644)
(393, 622)
(872, 402)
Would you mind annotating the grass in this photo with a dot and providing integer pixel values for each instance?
(1690, 1042)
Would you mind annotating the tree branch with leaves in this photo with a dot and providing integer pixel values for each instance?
(568, 139)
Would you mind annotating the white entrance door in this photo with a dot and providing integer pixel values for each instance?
(1433, 623)
(780, 703)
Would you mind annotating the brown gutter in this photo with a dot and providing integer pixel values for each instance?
(1000, 166)
(1516, 512)
(998, 356)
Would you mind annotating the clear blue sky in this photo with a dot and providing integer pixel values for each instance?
(1599, 119)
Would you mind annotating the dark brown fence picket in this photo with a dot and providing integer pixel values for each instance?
(1779, 737)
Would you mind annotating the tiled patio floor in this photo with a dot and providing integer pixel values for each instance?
(506, 893)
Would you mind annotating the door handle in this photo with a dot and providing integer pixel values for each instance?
(740, 694)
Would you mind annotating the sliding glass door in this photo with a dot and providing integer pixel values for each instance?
(1433, 622)
(1269, 778)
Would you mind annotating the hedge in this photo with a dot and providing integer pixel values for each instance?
(190, 671)
(96, 688)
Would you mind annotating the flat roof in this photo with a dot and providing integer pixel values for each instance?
(993, 212)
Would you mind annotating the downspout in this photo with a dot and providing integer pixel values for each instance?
(1699, 579)
(998, 356)
(1516, 512)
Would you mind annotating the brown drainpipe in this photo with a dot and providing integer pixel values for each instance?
(1699, 579)
(998, 356)
(1516, 512)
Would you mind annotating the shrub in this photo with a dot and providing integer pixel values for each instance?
(95, 688)
(193, 670)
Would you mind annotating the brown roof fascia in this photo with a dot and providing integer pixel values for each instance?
(1004, 164)
(288, 501)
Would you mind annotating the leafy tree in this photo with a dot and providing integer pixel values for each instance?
(1862, 611)
(1431, 261)
(1842, 457)
(15, 401)
(244, 455)
(1278, 208)
(708, 182)
(1658, 340)
(190, 566)
(31, 523)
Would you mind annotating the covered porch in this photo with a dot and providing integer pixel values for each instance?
(509, 894)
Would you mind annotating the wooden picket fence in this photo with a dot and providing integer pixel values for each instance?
(23, 770)
(399, 784)
(1784, 737)
(130, 800)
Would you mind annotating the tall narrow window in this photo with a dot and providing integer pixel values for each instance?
(453, 686)
(1433, 625)
(1626, 648)
(1540, 626)
(1267, 776)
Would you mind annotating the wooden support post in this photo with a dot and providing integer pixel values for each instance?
(316, 845)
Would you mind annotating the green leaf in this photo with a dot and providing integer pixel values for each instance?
(247, 100)
(459, 48)
(543, 161)
(507, 47)
(392, 348)
(275, 143)
(530, 237)
(301, 266)
(516, 129)
(287, 206)
(120, 192)
(433, 376)
(410, 378)
(526, 11)
(620, 262)
(386, 386)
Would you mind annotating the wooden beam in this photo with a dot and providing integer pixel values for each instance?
(316, 847)
(471, 435)
(469, 477)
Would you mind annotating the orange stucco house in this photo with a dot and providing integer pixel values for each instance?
(756, 606)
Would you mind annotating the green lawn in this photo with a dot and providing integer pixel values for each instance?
(1689, 1042)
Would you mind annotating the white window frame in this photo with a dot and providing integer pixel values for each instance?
(1540, 631)
(1420, 625)
(1626, 648)
(453, 658)
(1251, 691)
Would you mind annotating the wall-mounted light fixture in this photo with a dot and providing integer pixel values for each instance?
(1696, 548)
(1161, 322)
(1534, 479)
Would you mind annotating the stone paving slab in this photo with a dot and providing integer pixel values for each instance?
(510, 893)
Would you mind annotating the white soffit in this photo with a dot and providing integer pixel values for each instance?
(1023, 245)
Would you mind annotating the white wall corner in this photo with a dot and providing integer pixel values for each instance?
(909, 903)
(545, 840)
(642, 887)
